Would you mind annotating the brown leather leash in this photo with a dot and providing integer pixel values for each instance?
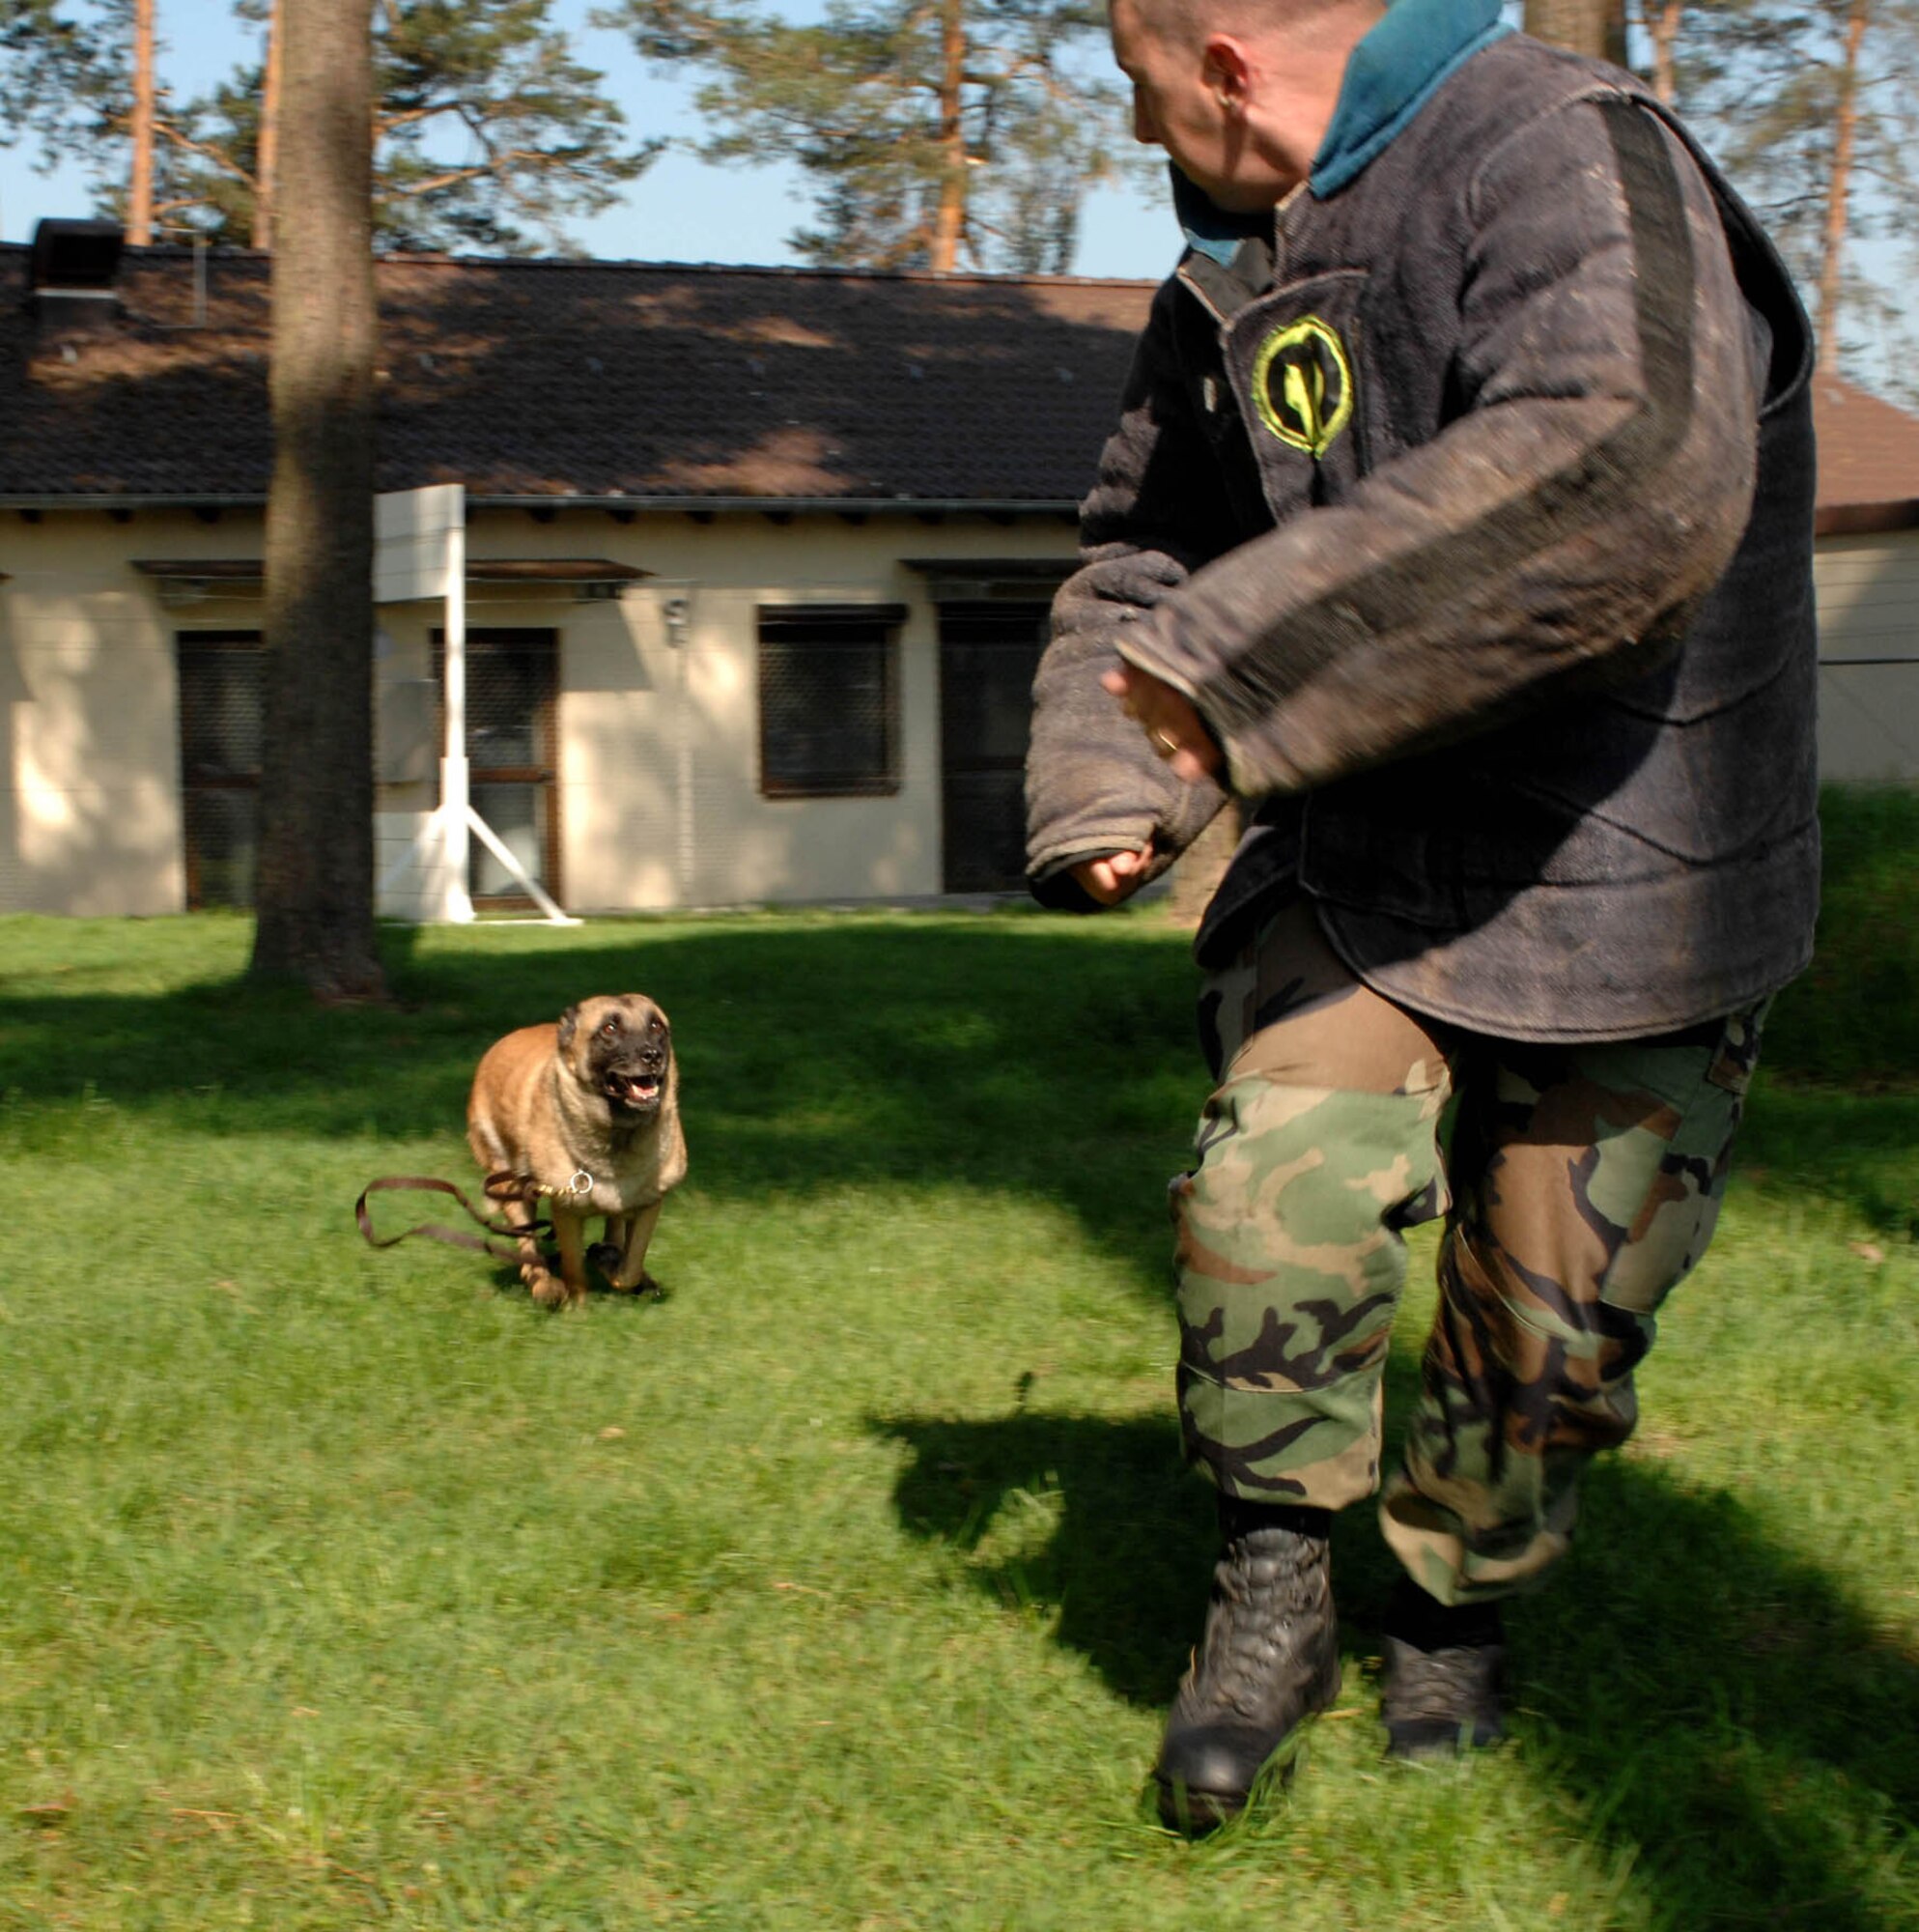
(426, 1183)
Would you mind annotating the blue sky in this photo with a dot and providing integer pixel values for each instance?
(679, 211)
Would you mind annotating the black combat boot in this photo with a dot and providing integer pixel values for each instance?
(1269, 1660)
(1444, 1675)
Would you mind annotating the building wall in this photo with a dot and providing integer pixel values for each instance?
(658, 787)
(1869, 652)
(88, 745)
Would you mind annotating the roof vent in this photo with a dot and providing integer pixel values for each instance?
(73, 267)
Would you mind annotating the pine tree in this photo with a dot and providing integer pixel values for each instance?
(487, 134)
(1814, 110)
(1595, 28)
(1660, 21)
(140, 130)
(66, 74)
(931, 134)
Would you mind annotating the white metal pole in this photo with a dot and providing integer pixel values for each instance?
(455, 806)
(504, 853)
(679, 627)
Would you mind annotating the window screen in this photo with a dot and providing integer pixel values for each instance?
(830, 700)
(222, 701)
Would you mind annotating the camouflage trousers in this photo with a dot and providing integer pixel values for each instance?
(1578, 1185)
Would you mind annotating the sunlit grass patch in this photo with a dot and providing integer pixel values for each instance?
(842, 1585)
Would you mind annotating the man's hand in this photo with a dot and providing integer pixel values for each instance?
(1115, 877)
(1168, 718)
(1190, 751)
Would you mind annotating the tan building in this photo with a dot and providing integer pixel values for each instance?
(757, 571)
(1868, 583)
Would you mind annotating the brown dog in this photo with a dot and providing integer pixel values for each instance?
(582, 1118)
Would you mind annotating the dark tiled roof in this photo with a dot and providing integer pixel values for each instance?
(649, 380)
(1868, 453)
(528, 379)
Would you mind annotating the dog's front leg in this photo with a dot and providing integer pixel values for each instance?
(569, 1235)
(518, 1212)
(630, 1271)
(569, 1286)
(607, 1253)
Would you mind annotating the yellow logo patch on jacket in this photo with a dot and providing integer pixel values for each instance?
(1302, 384)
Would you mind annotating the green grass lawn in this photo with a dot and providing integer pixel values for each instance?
(844, 1584)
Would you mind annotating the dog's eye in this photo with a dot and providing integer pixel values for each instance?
(609, 1029)
(654, 1028)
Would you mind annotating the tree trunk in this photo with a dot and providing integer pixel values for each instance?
(313, 887)
(1595, 28)
(1663, 25)
(140, 180)
(1832, 253)
(951, 219)
(267, 152)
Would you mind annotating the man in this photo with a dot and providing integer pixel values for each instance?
(1458, 523)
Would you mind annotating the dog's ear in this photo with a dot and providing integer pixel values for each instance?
(569, 1020)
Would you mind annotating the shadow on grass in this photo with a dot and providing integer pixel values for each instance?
(1853, 1015)
(1008, 1053)
(1860, 1151)
(1709, 1701)
(1012, 1052)
(1703, 1695)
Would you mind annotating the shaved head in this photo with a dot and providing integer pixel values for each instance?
(1240, 92)
(1189, 21)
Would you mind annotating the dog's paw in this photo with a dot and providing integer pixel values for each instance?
(606, 1257)
(549, 1290)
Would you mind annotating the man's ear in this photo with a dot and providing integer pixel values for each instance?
(569, 1020)
(1226, 72)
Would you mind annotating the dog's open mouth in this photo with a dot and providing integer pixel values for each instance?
(632, 1090)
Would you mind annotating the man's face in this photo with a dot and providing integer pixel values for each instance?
(1177, 106)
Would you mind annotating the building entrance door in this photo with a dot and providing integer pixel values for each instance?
(512, 746)
(988, 654)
